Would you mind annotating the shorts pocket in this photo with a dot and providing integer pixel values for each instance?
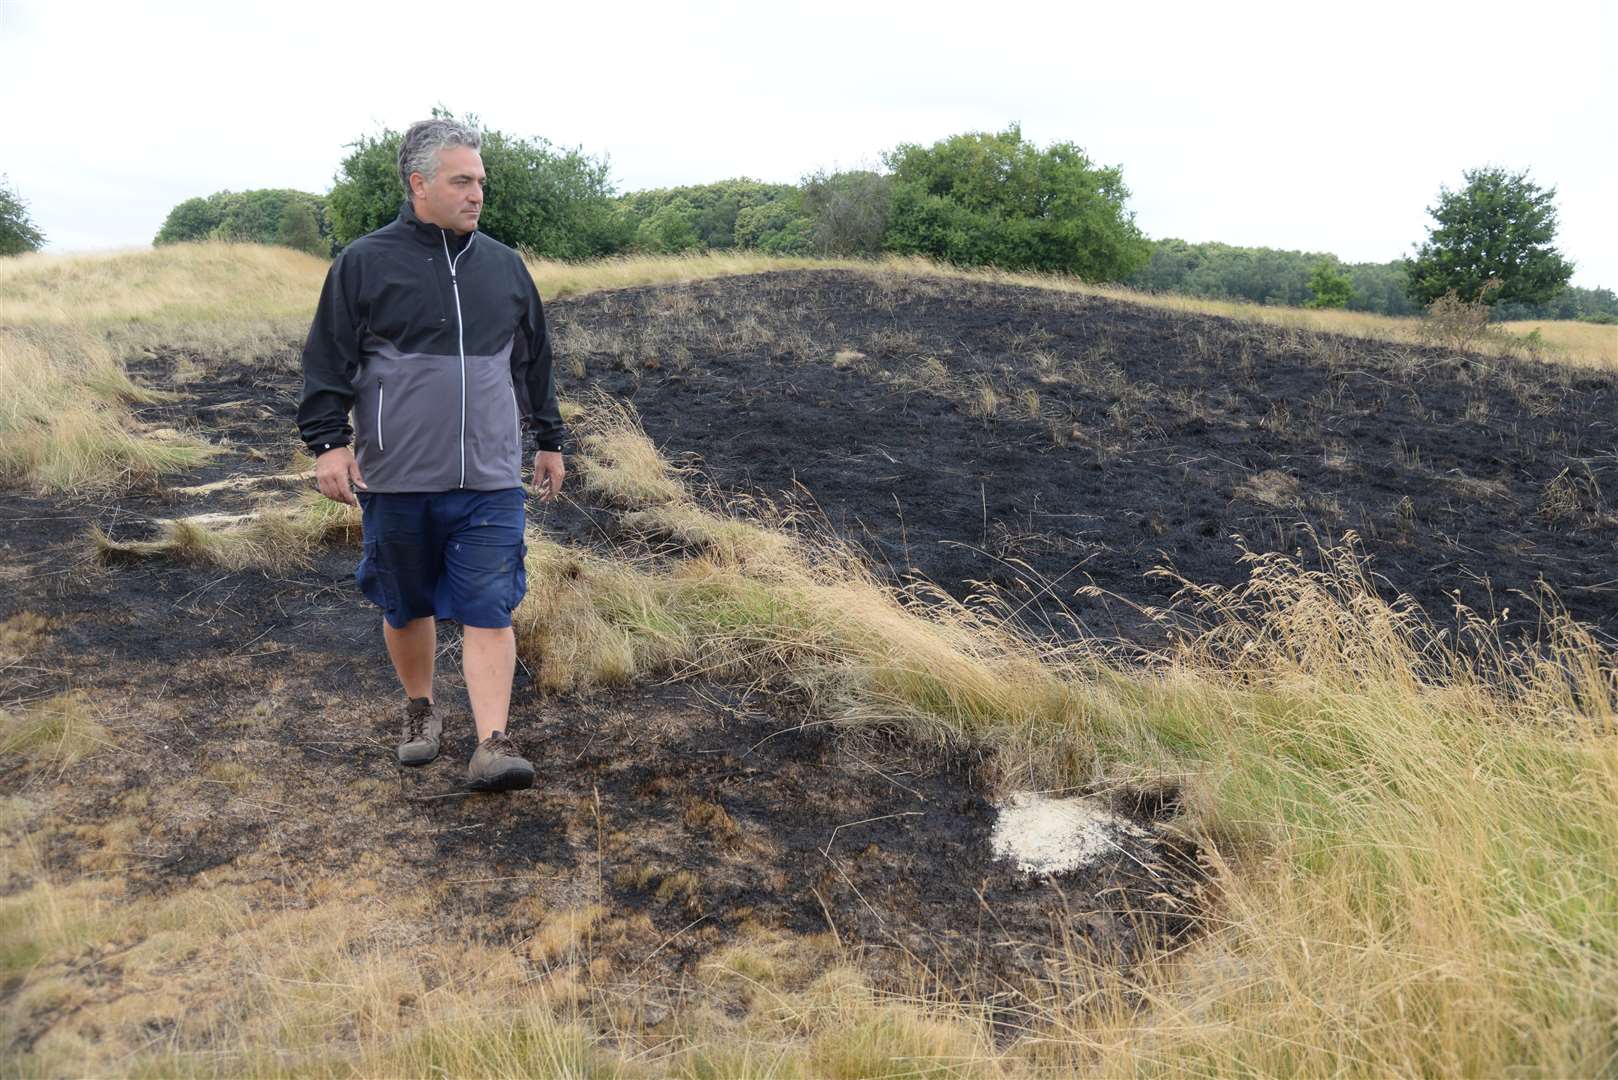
(519, 583)
(377, 581)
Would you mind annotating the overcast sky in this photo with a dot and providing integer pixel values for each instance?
(1309, 126)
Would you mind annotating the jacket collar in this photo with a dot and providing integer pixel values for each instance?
(430, 234)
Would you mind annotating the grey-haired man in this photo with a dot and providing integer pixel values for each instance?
(433, 337)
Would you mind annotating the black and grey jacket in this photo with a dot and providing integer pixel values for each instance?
(437, 343)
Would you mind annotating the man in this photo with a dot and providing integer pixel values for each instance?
(434, 337)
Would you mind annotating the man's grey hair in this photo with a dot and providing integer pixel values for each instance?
(418, 151)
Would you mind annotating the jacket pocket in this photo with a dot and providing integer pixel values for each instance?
(381, 443)
(516, 422)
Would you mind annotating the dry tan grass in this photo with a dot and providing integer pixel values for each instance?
(559, 279)
(63, 421)
(274, 537)
(58, 732)
(22, 634)
(1589, 343)
(178, 284)
(617, 463)
(1273, 488)
(68, 321)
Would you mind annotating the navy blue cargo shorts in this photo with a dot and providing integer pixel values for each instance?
(450, 554)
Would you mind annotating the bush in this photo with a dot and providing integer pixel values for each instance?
(850, 211)
(995, 199)
(1456, 322)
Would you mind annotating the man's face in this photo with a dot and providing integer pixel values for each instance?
(453, 199)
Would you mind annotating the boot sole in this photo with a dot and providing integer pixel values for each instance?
(415, 759)
(510, 780)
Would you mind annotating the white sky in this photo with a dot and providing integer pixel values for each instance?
(1322, 127)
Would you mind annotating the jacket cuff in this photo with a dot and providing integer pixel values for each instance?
(318, 448)
(550, 446)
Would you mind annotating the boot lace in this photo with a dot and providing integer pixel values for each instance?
(416, 714)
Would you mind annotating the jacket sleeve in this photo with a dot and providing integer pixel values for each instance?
(532, 372)
(331, 361)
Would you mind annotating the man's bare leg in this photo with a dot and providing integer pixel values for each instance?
(489, 660)
(412, 650)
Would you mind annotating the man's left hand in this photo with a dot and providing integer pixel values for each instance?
(548, 473)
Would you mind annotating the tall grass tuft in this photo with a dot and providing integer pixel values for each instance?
(1417, 834)
(63, 425)
(270, 538)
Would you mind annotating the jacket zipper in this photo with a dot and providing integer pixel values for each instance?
(380, 444)
(460, 337)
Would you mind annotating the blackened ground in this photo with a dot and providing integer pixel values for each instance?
(1041, 441)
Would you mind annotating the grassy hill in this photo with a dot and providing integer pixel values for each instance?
(1354, 826)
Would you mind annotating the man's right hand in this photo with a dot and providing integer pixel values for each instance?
(335, 471)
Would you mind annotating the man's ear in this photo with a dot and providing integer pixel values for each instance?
(418, 185)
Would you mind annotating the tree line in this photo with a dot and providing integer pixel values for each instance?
(1271, 276)
(982, 198)
(975, 199)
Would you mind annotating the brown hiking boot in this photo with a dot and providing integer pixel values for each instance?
(496, 766)
(422, 727)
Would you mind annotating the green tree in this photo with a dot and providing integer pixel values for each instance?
(1496, 229)
(983, 198)
(553, 202)
(1329, 287)
(18, 234)
(300, 229)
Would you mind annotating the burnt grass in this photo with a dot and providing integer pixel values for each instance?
(1160, 439)
(254, 713)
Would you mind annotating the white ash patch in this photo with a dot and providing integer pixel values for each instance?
(1045, 836)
